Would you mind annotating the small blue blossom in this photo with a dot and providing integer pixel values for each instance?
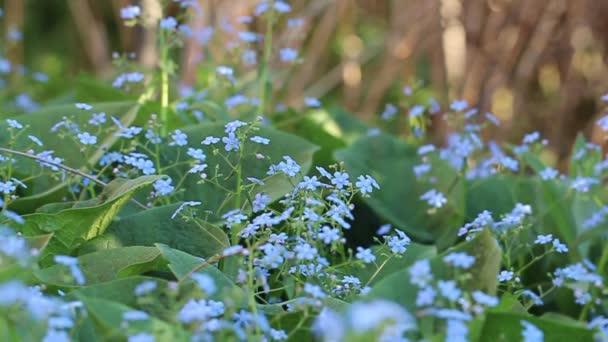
(98, 119)
(249, 57)
(559, 247)
(312, 102)
(398, 244)
(390, 110)
(196, 153)
(145, 287)
(83, 106)
(288, 54)
(533, 296)
(434, 198)
(287, 166)
(456, 331)
(424, 149)
(543, 239)
(425, 296)
(449, 289)
(459, 259)
(304, 251)
(365, 254)
(163, 187)
(205, 282)
(366, 183)
(295, 22)
(248, 37)
(168, 23)
(340, 179)
(210, 140)
(493, 119)
(179, 138)
(87, 139)
(130, 12)
(484, 299)
(232, 126)
(603, 123)
(530, 333)
(582, 184)
(72, 264)
(329, 235)
(548, 173)
(141, 337)
(260, 140)
(420, 273)
(260, 201)
(416, 111)
(35, 140)
(531, 138)
(130, 77)
(459, 105)
(421, 170)
(505, 276)
(7, 187)
(232, 142)
(14, 124)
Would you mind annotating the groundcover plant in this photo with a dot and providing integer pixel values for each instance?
(144, 212)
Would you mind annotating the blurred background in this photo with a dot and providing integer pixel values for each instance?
(537, 65)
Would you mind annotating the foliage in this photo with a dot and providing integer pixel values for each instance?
(209, 216)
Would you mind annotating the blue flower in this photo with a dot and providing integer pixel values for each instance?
(459, 105)
(288, 54)
(168, 23)
(459, 259)
(87, 139)
(366, 183)
(434, 198)
(365, 254)
(530, 333)
(130, 12)
(548, 173)
(231, 141)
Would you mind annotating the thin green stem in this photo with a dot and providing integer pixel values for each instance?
(164, 83)
(266, 63)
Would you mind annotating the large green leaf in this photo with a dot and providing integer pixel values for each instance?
(108, 315)
(390, 161)
(123, 291)
(45, 188)
(181, 263)
(72, 227)
(394, 263)
(105, 265)
(506, 326)
(483, 247)
(156, 226)
(217, 199)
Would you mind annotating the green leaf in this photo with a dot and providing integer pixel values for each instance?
(155, 225)
(181, 263)
(316, 133)
(483, 247)
(105, 265)
(45, 188)
(488, 257)
(394, 264)
(390, 161)
(506, 326)
(123, 291)
(108, 318)
(72, 227)
(218, 200)
(91, 89)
